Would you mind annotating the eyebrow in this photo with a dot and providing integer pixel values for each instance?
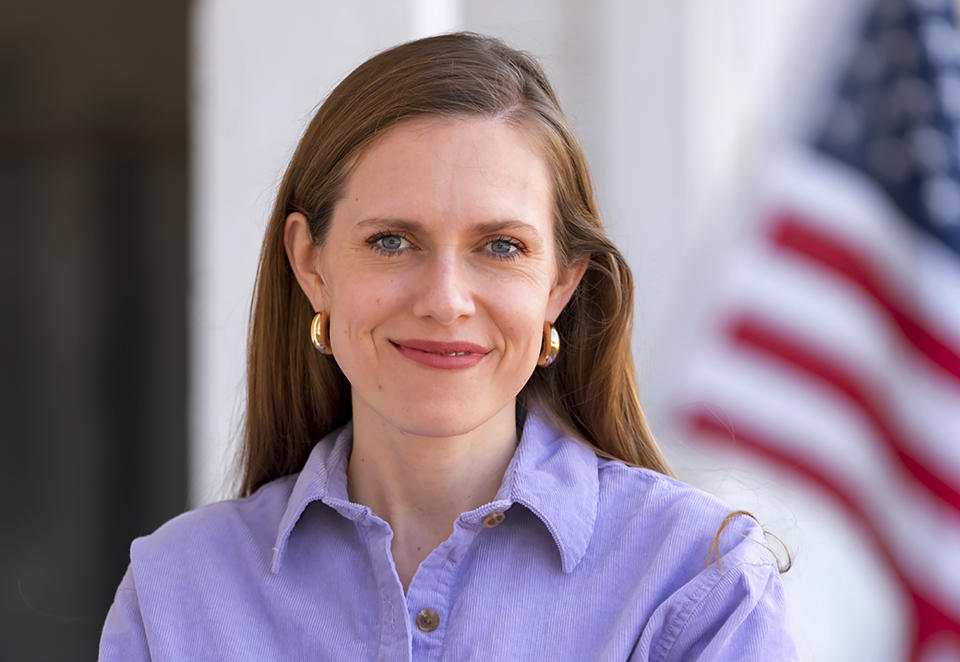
(488, 227)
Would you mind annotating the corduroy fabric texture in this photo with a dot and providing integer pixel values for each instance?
(593, 560)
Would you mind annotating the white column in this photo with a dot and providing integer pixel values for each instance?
(258, 72)
(436, 16)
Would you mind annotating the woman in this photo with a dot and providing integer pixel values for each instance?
(484, 485)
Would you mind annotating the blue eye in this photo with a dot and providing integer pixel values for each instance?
(505, 248)
(389, 243)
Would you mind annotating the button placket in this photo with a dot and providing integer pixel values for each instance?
(393, 610)
(430, 594)
(428, 620)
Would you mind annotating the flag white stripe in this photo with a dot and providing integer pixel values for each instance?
(923, 535)
(841, 322)
(848, 205)
(937, 295)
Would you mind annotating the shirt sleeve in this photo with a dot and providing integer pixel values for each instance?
(734, 615)
(124, 638)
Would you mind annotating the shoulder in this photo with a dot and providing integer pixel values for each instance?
(205, 535)
(656, 499)
(678, 527)
(710, 579)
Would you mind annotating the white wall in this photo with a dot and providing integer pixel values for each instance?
(260, 71)
(668, 97)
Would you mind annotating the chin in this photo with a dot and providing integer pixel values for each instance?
(435, 420)
(438, 417)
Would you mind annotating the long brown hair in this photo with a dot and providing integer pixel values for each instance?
(295, 395)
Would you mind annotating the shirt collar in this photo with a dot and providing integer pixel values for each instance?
(553, 475)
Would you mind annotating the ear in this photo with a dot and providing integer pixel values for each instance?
(567, 280)
(304, 257)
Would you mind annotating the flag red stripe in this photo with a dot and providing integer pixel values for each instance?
(779, 345)
(789, 232)
(930, 617)
(728, 431)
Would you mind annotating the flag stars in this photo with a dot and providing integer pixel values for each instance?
(890, 10)
(914, 98)
(887, 157)
(931, 5)
(941, 195)
(900, 46)
(948, 87)
(884, 113)
(846, 123)
(896, 116)
(868, 66)
(931, 148)
(940, 39)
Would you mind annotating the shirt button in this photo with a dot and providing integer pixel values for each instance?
(493, 519)
(428, 620)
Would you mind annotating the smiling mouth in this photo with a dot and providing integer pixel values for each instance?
(442, 355)
(455, 348)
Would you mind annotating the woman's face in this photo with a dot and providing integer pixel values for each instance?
(438, 271)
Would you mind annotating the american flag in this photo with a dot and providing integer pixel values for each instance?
(833, 347)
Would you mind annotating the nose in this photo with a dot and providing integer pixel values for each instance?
(444, 293)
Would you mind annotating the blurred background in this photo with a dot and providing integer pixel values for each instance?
(782, 176)
(94, 259)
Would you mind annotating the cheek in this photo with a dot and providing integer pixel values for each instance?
(358, 294)
(522, 317)
(359, 302)
(352, 320)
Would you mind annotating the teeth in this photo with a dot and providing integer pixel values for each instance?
(456, 353)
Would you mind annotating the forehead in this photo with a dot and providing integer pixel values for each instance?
(457, 168)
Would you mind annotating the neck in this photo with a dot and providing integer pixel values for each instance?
(420, 484)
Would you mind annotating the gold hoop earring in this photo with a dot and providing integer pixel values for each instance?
(550, 347)
(320, 332)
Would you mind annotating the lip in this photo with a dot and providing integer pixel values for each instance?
(435, 354)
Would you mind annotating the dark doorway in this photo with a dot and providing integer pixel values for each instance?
(93, 191)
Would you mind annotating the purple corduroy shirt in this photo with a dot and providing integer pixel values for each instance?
(590, 560)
